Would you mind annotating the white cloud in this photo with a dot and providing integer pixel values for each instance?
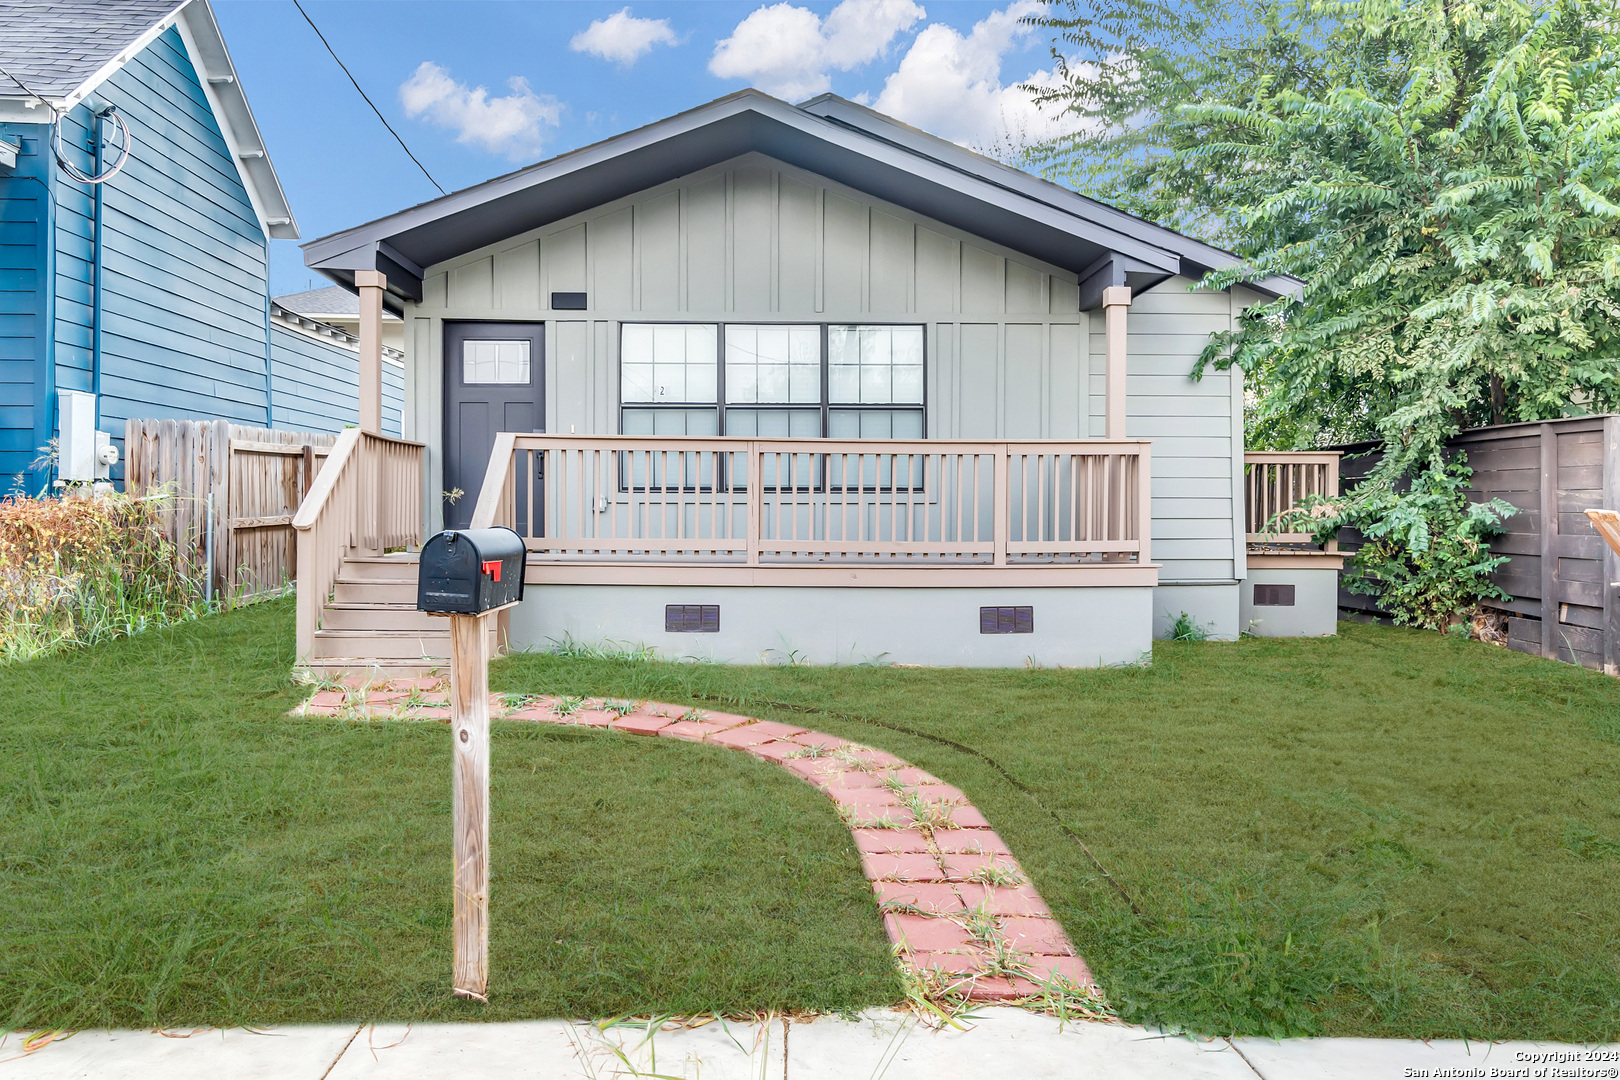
(949, 83)
(622, 38)
(515, 125)
(789, 51)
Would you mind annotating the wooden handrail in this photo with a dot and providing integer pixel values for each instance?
(367, 496)
(748, 501)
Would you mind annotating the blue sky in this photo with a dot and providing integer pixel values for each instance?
(479, 89)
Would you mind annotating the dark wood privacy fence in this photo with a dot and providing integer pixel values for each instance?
(1559, 569)
(256, 477)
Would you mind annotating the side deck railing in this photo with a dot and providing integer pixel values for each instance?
(759, 502)
(366, 498)
(1276, 482)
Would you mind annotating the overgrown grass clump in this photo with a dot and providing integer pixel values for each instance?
(1389, 833)
(174, 850)
(76, 571)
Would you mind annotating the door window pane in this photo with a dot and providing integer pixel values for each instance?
(661, 363)
(489, 362)
(773, 365)
(875, 365)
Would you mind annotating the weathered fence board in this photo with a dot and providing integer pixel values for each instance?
(256, 477)
(1559, 571)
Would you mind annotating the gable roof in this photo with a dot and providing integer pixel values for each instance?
(829, 136)
(64, 50)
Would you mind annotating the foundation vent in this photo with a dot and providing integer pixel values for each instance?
(1273, 595)
(1006, 620)
(691, 618)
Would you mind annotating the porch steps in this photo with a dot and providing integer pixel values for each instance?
(371, 625)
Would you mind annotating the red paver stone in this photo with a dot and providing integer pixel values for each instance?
(842, 776)
(912, 776)
(959, 841)
(724, 720)
(876, 841)
(998, 988)
(864, 797)
(690, 730)
(1068, 969)
(774, 752)
(740, 738)
(968, 817)
(1035, 937)
(880, 758)
(777, 730)
(959, 963)
(961, 867)
(529, 714)
(642, 725)
(929, 896)
(323, 699)
(591, 718)
(940, 793)
(812, 769)
(877, 817)
(816, 738)
(903, 866)
(925, 933)
(1003, 901)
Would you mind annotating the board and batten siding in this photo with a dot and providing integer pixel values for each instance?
(1009, 354)
(184, 261)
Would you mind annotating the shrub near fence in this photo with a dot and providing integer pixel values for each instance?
(75, 571)
(234, 491)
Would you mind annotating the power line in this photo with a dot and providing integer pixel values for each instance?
(367, 100)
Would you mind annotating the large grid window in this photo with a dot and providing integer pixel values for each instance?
(781, 381)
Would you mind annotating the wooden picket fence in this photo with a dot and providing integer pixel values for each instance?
(230, 493)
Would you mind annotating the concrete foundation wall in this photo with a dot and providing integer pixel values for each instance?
(1073, 627)
(1316, 603)
(1213, 607)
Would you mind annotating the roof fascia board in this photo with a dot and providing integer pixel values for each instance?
(125, 55)
(206, 47)
(840, 136)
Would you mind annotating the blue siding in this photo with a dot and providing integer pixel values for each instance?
(184, 262)
(25, 302)
(184, 269)
(317, 384)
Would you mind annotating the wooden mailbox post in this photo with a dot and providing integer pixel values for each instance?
(470, 576)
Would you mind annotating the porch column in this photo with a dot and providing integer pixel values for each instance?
(371, 284)
(1116, 301)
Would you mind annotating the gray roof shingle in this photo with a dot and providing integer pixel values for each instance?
(54, 46)
(332, 300)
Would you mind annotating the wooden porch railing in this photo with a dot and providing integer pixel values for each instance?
(367, 497)
(776, 502)
(1278, 481)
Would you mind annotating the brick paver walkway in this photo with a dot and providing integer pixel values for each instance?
(961, 912)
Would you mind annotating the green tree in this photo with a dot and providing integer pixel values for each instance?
(1444, 176)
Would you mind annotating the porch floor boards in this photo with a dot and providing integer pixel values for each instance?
(964, 917)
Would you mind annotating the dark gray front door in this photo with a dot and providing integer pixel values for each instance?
(494, 380)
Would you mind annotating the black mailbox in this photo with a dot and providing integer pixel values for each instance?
(467, 571)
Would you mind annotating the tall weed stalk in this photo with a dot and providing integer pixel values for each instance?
(75, 571)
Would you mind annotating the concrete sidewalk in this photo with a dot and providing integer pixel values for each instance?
(892, 1046)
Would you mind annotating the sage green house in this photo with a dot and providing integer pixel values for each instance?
(768, 381)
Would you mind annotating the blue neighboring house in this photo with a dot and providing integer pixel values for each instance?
(149, 290)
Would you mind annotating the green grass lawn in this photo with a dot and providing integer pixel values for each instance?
(1390, 833)
(174, 850)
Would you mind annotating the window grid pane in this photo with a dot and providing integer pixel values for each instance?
(875, 365)
(665, 363)
(773, 365)
(495, 362)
